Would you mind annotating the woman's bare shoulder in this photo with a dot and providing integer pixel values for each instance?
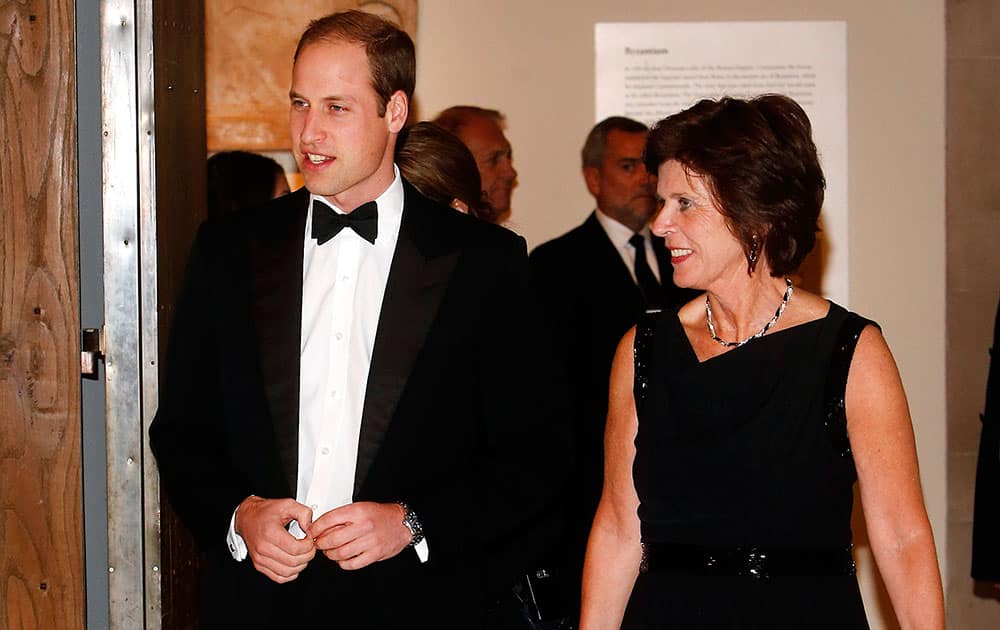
(804, 307)
(692, 311)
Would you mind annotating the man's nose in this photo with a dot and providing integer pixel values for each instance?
(311, 132)
(508, 169)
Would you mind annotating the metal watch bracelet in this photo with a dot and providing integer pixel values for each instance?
(412, 522)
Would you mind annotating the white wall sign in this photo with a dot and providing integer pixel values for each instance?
(647, 71)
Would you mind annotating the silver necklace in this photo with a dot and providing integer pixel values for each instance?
(759, 333)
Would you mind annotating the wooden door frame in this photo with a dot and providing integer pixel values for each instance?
(41, 507)
(127, 199)
(152, 86)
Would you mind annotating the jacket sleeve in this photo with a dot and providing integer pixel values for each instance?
(187, 435)
(519, 480)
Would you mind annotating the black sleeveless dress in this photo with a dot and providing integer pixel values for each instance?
(744, 451)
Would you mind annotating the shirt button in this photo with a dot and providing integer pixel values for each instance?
(313, 507)
(339, 336)
(325, 451)
(345, 278)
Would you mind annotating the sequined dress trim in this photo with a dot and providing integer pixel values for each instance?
(835, 417)
(641, 349)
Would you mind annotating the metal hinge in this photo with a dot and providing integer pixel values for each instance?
(91, 352)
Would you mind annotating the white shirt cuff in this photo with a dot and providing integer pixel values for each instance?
(423, 551)
(237, 547)
(295, 530)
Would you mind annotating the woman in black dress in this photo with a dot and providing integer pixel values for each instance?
(739, 423)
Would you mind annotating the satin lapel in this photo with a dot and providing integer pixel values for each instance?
(276, 254)
(418, 277)
(608, 262)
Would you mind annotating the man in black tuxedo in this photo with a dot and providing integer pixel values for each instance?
(353, 371)
(596, 280)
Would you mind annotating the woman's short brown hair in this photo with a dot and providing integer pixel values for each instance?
(760, 164)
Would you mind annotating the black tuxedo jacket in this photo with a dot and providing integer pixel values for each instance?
(457, 421)
(592, 300)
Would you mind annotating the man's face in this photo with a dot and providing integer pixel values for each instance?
(493, 155)
(621, 186)
(341, 144)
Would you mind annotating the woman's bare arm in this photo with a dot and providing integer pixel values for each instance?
(613, 550)
(881, 434)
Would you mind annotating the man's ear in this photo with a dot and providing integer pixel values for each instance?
(397, 110)
(592, 176)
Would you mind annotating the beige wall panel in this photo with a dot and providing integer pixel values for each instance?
(973, 226)
(248, 56)
(535, 62)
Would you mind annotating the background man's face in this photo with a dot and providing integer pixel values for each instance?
(339, 140)
(493, 155)
(623, 189)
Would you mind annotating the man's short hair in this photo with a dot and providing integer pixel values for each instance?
(592, 153)
(391, 56)
(454, 118)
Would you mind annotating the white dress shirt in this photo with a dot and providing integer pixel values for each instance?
(343, 283)
(620, 234)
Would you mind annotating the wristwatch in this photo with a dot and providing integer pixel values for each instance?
(412, 522)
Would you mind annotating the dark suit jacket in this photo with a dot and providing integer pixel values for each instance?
(456, 421)
(986, 519)
(593, 301)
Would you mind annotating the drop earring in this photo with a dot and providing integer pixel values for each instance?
(753, 255)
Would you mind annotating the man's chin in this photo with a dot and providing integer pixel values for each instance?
(644, 209)
(501, 209)
(501, 214)
(496, 215)
(320, 186)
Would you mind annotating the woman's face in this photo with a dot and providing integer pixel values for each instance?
(703, 251)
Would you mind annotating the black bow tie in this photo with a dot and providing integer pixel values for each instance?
(327, 222)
